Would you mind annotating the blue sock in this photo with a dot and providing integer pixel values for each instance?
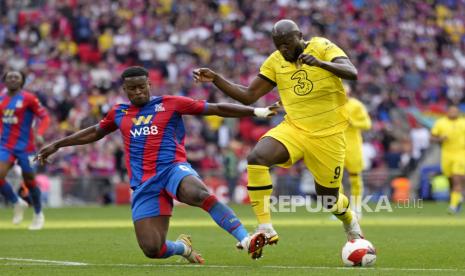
(224, 217)
(171, 248)
(36, 200)
(7, 192)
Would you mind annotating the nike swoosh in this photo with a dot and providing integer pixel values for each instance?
(282, 66)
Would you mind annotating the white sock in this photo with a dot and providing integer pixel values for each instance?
(186, 249)
(265, 226)
(244, 242)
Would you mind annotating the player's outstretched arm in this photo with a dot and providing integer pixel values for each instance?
(246, 95)
(85, 136)
(236, 110)
(340, 66)
(437, 138)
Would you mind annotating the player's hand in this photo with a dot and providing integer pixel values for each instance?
(204, 75)
(269, 111)
(44, 153)
(276, 106)
(309, 60)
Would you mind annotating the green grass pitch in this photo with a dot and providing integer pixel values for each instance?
(101, 241)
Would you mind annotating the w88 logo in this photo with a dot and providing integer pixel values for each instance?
(146, 130)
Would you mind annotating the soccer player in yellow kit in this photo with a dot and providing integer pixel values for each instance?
(449, 131)
(359, 120)
(308, 77)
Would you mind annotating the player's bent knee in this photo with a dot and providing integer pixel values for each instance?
(30, 183)
(200, 197)
(152, 251)
(328, 196)
(256, 158)
(192, 192)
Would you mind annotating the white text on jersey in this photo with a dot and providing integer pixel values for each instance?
(146, 130)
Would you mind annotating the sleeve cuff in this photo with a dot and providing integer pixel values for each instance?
(339, 57)
(205, 107)
(267, 79)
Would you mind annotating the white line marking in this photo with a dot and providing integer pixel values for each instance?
(65, 263)
(38, 262)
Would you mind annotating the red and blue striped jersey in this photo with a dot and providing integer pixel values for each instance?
(17, 114)
(153, 135)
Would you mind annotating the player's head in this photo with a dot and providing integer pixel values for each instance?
(14, 80)
(287, 38)
(136, 85)
(453, 112)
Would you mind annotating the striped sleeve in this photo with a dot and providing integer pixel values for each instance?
(187, 106)
(108, 123)
(40, 112)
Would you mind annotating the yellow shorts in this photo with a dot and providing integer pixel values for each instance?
(453, 165)
(353, 161)
(323, 156)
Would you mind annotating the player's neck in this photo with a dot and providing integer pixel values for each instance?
(140, 105)
(13, 92)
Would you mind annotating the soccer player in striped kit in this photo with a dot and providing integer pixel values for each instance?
(153, 134)
(18, 109)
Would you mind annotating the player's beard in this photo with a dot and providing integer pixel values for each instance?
(14, 87)
(299, 49)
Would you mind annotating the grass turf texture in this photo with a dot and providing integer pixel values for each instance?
(423, 241)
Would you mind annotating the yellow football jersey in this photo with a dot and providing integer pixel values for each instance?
(359, 120)
(312, 97)
(454, 130)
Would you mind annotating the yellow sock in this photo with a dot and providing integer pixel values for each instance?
(260, 189)
(455, 199)
(342, 210)
(356, 191)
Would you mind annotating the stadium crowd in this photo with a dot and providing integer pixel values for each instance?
(407, 54)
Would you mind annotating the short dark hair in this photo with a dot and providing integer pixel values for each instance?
(134, 71)
(23, 76)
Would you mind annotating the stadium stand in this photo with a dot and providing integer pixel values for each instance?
(410, 57)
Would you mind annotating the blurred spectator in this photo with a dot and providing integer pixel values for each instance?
(230, 173)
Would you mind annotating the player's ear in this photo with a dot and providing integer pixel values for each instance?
(123, 85)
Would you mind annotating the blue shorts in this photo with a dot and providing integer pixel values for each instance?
(155, 197)
(25, 159)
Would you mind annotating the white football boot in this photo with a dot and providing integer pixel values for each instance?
(37, 222)
(18, 210)
(353, 229)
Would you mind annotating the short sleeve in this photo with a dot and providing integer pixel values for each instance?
(188, 106)
(39, 111)
(267, 71)
(36, 107)
(436, 130)
(108, 123)
(330, 50)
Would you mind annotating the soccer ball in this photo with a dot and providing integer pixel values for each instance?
(358, 252)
